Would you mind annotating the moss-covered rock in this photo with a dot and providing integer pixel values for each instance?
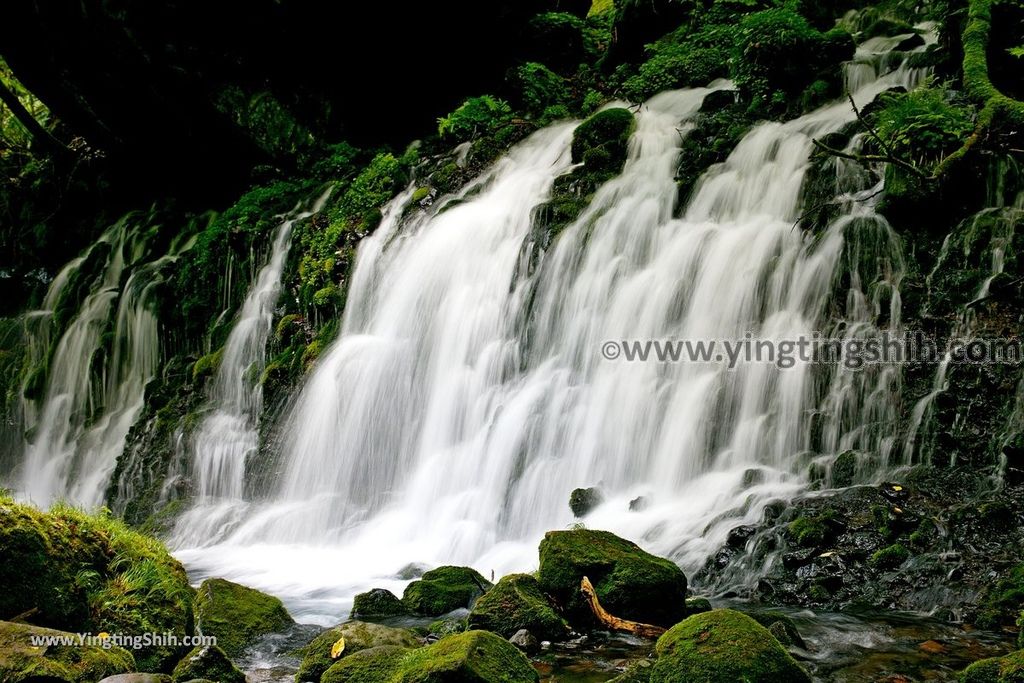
(358, 635)
(378, 602)
(237, 615)
(516, 602)
(604, 135)
(698, 605)
(631, 583)
(92, 574)
(1008, 669)
(207, 663)
(444, 589)
(471, 657)
(21, 661)
(582, 501)
(723, 646)
(640, 672)
(889, 557)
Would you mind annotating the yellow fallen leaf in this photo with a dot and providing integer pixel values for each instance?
(897, 488)
(103, 635)
(338, 648)
(898, 511)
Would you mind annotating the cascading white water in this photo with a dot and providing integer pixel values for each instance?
(229, 432)
(92, 400)
(465, 399)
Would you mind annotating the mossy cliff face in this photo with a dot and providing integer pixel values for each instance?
(516, 602)
(237, 615)
(91, 574)
(20, 661)
(631, 583)
(471, 657)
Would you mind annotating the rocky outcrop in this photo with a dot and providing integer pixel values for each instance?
(358, 636)
(515, 603)
(444, 589)
(22, 660)
(207, 663)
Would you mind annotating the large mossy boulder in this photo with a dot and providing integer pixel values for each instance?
(207, 663)
(21, 660)
(723, 646)
(471, 657)
(602, 141)
(444, 589)
(1008, 669)
(630, 583)
(517, 602)
(358, 635)
(378, 602)
(91, 574)
(237, 615)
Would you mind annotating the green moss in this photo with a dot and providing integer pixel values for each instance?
(811, 531)
(237, 615)
(723, 646)
(20, 661)
(474, 656)
(327, 296)
(1003, 600)
(889, 557)
(376, 665)
(608, 130)
(378, 603)
(421, 193)
(207, 365)
(983, 671)
(476, 116)
(207, 663)
(446, 627)
(516, 602)
(698, 605)
(287, 326)
(91, 573)
(844, 469)
(631, 583)
(637, 673)
(359, 636)
(681, 59)
(444, 589)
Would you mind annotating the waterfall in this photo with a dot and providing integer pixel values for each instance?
(229, 431)
(466, 395)
(100, 366)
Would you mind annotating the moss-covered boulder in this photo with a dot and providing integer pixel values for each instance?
(237, 615)
(207, 663)
(378, 602)
(358, 635)
(516, 602)
(444, 589)
(631, 583)
(471, 657)
(1008, 669)
(723, 646)
(21, 660)
(91, 574)
(602, 141)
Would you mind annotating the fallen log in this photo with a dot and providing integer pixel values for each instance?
(612, 622)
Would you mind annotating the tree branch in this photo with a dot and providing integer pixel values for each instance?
(42, 137)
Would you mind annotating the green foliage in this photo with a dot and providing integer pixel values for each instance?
(86, 573)
(444, 589)
(679, 60)
(237, 615)
(477, 116)
(777, 54)
(607, 131)
(516, 602)
(1008, 669)
(889, 557)
(207, 365)
(631, 583)
(540, 87)
(723, 646)
(923, 126)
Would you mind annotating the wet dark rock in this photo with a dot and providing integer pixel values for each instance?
(525, 641)
(411, 571)
(753, 477)
(639, 504)
(720, 99)
(582, 501)
(844, 469)
(698, 605)
(910, 43)
(739, 536)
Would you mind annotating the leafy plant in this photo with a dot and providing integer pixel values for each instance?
(476, 116)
